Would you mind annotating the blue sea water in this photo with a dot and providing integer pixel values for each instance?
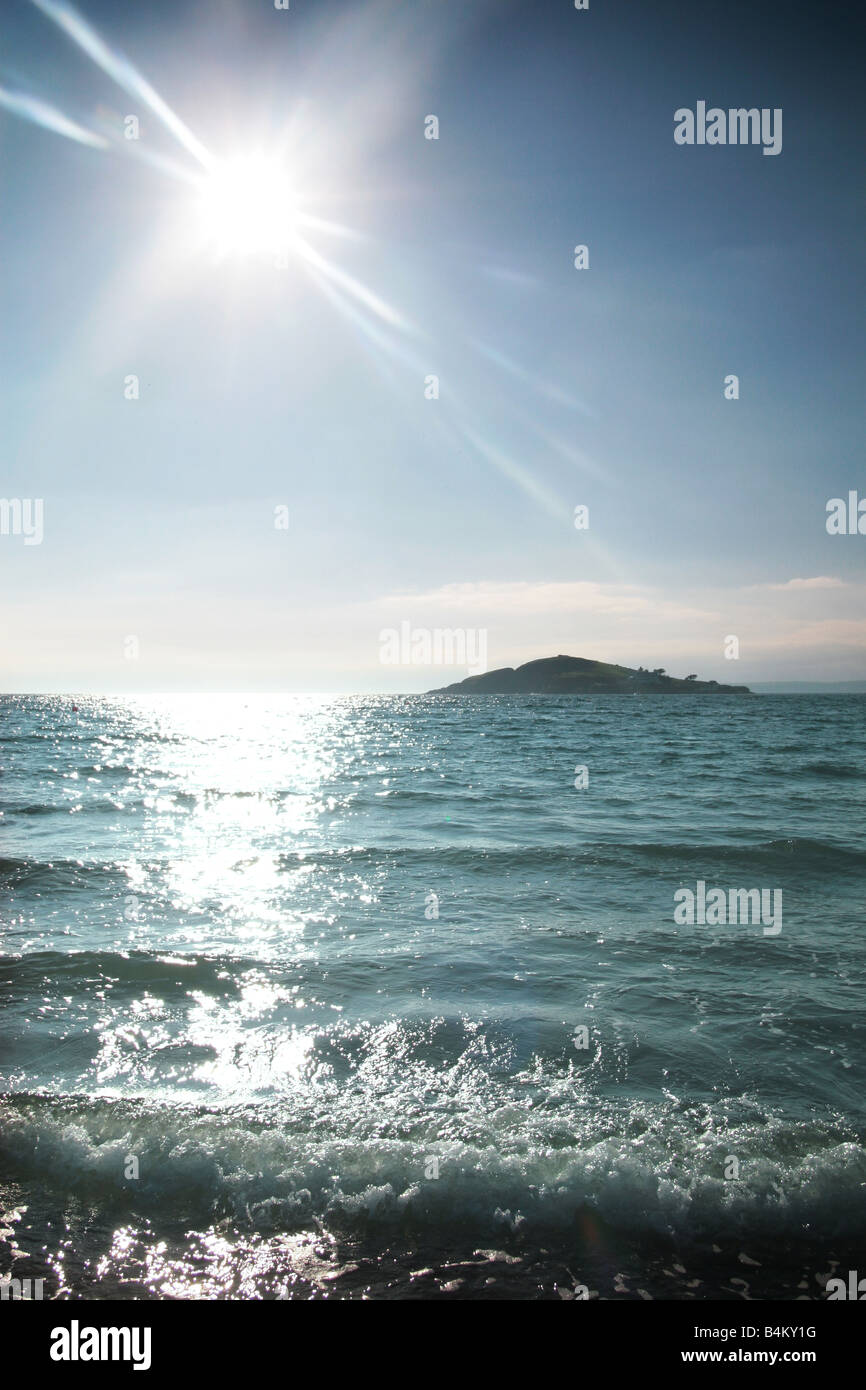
(310, 996)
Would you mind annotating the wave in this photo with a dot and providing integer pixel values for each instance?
(791, 855)
(796, 853)
(655, 1168)
(59, 873)
(66, 969)
(182, 799)
(832, 770)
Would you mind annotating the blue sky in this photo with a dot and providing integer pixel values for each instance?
(303, 385)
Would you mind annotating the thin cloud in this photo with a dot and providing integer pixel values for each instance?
(525, 597)
(821, 581)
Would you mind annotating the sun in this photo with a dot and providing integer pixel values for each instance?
(246, 207)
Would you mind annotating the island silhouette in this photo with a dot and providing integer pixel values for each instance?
(575, 675)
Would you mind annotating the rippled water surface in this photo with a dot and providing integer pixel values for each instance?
(310, 996)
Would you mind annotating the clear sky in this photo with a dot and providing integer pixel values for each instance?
(298, 380)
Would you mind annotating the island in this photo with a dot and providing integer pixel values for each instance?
(574, 675)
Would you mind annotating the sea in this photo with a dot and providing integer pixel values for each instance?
(389, 997)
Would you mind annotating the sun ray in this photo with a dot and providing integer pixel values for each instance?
(516, 473)
(545, 388)
(122, 71)
(352, 286)
(40, 113)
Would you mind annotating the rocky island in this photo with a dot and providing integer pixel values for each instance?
(573, 675)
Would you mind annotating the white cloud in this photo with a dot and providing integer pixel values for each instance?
(821, 581)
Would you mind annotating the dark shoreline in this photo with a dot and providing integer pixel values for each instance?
(165, 1260)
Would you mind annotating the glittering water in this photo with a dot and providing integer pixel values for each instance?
(351, 994)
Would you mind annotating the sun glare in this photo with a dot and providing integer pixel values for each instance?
(246, 207)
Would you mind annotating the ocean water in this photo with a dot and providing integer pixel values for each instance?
(362, 997)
